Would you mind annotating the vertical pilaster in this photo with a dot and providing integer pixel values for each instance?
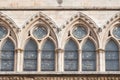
(39, 60)
(19, 60)
(101, 60)
(60, 60)
(79, 60)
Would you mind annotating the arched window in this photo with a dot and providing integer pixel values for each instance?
(111, 56)
(48, 56)
(71, 56)
(30, 56)
(88, 56)
(7, 56)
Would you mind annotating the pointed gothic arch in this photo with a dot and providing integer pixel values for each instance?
(37, 20)
(84, 21)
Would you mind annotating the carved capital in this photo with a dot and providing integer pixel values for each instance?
(59, 50)
(100, 50)
(19, 50)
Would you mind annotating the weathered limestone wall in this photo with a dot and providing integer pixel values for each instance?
(100, 17)
(39, 3)
(61, 17)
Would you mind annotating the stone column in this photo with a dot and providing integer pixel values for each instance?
(60, 60)
(101, 60)
(79, 60)
(18, 60)
(39, 60)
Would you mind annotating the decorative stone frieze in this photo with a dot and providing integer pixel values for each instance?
(9, 21)
(72, 77)
(113, 19)
(43, 17)
(80, 16)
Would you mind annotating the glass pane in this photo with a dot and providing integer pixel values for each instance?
(3, 32)
(116, 31)
(89, 46)
(112, 56)
(48, 46)
(7, 56)
(48, 65)
(71, 56)
(30, 56)
(88, 56)
(79, 32)
(7, 65)
(31, 46)
(48, 56)
(40, 32)
(111, 46)
(30, 65)
(112, 65)
(88, 65)
(71, 65)
(8, 46)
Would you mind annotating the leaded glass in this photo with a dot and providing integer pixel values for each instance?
(71, 65)
(48, 65)
(116, 32)
(48, 56)
(30, 56)
(40, 32)
(111, 56)
(71, 56)
(3, 32)
(30, 65)
(79, 32)
(88, 56)
(7, 56)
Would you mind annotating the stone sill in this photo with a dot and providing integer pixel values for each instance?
(62, 73)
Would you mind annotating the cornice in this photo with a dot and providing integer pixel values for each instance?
(61, 8)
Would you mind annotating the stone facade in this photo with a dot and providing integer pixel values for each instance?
(100, 17)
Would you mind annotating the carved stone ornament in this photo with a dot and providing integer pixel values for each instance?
(43, 18)
(59, 78)
(59, 2)
(82, 17)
